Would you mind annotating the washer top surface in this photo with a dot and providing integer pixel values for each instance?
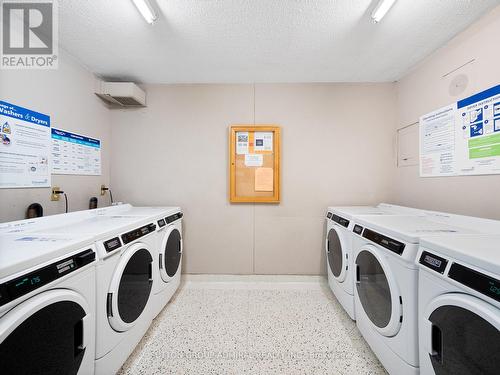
(482, 251)
(23, 251)
(146, 211)
(351, 212)
(98, 227)
(409, 228)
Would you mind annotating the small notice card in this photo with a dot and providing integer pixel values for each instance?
(264, 179)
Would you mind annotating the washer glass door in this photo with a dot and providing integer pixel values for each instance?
(48, 335)
(170, 258)
(335, 252)
(377, 291)
(465, 337)
(131, 287)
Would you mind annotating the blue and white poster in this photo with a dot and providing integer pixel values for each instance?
(478, 133)
(24, 147)
(75, 154)
(462, 138)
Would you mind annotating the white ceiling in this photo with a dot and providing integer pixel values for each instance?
(198, 41)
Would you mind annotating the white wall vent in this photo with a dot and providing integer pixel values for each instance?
(124, 94)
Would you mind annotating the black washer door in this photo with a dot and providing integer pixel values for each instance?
(135, 286)
(373, 289)
(464, 343)
(334, 248)
(45, 343)
(173, 253)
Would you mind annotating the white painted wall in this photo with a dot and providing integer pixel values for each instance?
(337, 148)
(426, 89)
(67, 95)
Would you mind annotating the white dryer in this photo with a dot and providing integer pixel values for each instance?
(47, 304)
(170, 248)
(167, 271)
(124, 282)
(459, 305)
(385, 296)
(340, 223)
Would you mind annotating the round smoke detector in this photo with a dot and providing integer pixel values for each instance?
(458, 84)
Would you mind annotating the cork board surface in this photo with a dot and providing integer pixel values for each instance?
(254, 159)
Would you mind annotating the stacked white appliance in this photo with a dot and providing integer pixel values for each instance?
(459, 305)
(47, 304)
(340, 224)
(386, 284)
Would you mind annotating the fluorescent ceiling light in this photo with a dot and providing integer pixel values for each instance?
(146, 10)
(381, 10)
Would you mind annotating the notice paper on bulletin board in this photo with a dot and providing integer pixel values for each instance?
(462, 138)
(75, 154)
(24, 147)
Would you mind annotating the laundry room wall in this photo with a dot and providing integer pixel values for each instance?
(337, 148)
(473, 54)
(67, 95)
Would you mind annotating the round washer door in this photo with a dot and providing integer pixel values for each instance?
(51, 329)
(377, 291)
(130, 287)
(170, 253)
(335, 252)
(462, 335)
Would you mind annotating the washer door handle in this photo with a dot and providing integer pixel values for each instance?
(109, 304)
(357, 274)
(161, 261)
(79, 332)
(436, 343)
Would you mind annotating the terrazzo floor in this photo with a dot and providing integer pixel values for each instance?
(253, 325)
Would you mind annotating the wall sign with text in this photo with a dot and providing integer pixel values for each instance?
(24, 147)
(462, 138)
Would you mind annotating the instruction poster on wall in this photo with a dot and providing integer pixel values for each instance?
(437, 142)
(463, 138)
(478, 133)
(75, 154)
(24, 147)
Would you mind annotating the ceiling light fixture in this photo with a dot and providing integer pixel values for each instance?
(146, 10)
(381, 10)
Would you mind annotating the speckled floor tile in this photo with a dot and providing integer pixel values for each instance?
(223, 324)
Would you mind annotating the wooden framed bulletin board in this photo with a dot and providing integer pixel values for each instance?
(254, 164)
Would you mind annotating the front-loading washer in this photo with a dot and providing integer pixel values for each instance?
(124, 279)
(47, 304)
(340, 223)
(167, 271)
(170, 248)
(386, 285)
(459, 305)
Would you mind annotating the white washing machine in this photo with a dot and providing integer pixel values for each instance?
(459, 305)
(338, 246)
(167, 271)
(170, 248)
(385, 296)
(124, 281)
(47, 304)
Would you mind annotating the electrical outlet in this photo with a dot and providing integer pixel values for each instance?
(103, 189)
(55, 197)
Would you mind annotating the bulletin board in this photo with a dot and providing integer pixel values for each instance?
(254, 164)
